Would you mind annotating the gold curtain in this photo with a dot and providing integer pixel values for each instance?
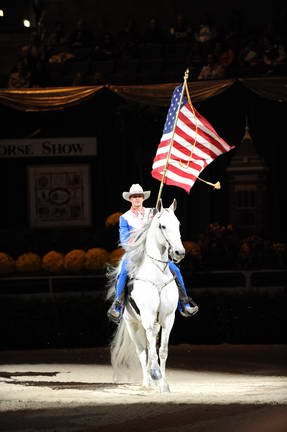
(160, 94)
(48, 99)
(273, 88)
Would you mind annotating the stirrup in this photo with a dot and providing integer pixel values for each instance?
(113, 314)
(189, 310)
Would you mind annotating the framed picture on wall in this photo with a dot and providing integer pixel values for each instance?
(59, 195)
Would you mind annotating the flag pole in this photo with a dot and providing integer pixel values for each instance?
(186, 74)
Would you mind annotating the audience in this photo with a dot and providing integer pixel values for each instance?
(82, 36)
(215, 52)
(20, 76)
(180, 31)
(153, 33)
(128, 40)
(212, 69)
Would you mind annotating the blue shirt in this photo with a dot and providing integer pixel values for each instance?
(130, 221)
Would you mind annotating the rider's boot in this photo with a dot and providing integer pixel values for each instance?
(116, 310)
(186, 306)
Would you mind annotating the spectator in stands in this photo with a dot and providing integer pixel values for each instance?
(274, 52)
(57, 35)
(180, 31)
(153, 33)
(274, 56)
(128, 40)
(20, 76)
(107, 49)
(250, 58)
(212, 69)
(82, 36)
(226, 54)
(61, 57)
(205, 36)
(34, 55)
(79, 79)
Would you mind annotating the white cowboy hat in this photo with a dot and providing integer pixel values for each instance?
(136, 189)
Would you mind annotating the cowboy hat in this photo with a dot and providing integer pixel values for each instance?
(136, 189)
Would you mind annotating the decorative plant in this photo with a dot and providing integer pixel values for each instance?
(193, 254)
(115, 256)
(74, 260)
(112, 233)
(192, 248)
(96, 259)
(7, 263)
(252, 251)
(112, 220)
(53, 262)
(29, 262)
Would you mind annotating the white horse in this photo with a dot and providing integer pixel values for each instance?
(150, 307)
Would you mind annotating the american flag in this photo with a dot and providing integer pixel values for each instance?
(195, 144)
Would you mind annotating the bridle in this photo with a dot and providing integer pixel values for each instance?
(170, 247)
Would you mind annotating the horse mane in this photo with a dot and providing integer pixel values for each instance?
(135, 249)
(134, 254)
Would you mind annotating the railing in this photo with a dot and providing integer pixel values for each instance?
(96, 283)
(52, 284)
(240, 278)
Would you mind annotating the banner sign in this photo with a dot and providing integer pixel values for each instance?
(59, 195)
(51, 147)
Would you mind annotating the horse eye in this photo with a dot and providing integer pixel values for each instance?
(162, 227)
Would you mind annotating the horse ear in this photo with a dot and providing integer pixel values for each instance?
(173, 205)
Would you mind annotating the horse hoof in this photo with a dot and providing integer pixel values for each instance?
(155, 374)
(165, 388)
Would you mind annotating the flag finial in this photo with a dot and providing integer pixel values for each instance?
(216, 185)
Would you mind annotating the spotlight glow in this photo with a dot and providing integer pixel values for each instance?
(26, 23)
(1, 13)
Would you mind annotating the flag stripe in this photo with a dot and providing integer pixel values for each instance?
(172, 182)
(197, 163)
(201, 136)
(193, 169)
(179, 152)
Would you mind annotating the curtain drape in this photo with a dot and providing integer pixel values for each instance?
(48, 99)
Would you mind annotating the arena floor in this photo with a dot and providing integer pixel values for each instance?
(218, 388)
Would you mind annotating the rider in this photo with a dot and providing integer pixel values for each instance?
(135, 218)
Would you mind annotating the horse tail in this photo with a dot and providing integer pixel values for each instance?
(123, 354)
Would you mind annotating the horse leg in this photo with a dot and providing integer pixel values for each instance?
(148, 316)
(138, 337)
(153, 366)
(163, 350)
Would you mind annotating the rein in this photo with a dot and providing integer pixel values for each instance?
(155, 259)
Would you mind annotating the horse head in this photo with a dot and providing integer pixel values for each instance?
(169, 232)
